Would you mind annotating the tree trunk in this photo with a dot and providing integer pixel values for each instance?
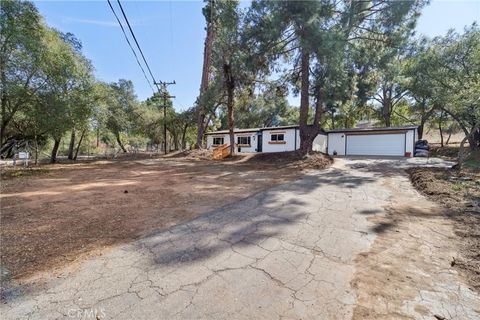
(56, 145)
(207, 62)
(117, 135)
(98, 137)
(440, 131)
(449, 136)
(3, 110)
(175, 141)
(71, 146)
(2, 132)
(230, 87)
(420, 129)
(79, 143)
(305, 143)
(184, 136)
(386, 113)
(461, 151)
(476, 139)
(36, 150)
(468, 135)
(311, 131)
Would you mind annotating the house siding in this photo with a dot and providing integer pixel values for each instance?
(226, 139)
(410, 141)
(332, 142)
(320, 143)
(336, 143)
(289, 138)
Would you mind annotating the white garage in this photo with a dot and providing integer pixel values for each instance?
(392, 141)
(375, 144)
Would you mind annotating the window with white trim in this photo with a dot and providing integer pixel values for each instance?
(243, 140)
(217, 140)
(277, 137)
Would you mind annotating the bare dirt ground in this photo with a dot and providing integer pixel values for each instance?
(56, 215)
(409, 272)
(353, 240)
(459, 192)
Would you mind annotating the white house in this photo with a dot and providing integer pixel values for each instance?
(389, 141)
(270, 139)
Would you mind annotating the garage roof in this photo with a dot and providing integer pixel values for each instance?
(372, 129)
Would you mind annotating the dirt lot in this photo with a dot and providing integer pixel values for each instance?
(459, 191)
(57, 215)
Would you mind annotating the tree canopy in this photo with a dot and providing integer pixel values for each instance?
(349, 62)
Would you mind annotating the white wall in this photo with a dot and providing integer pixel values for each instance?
(253, 142)
(226, 139)
(289, 137)
(412, 136)
(210, 140)
(320, 143)
(336, 142)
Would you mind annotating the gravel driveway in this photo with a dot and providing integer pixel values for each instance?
(289, 252)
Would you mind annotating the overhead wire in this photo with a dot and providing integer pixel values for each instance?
(130, 45)
(136, 42)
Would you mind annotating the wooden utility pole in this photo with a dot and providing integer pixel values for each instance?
(162, 89)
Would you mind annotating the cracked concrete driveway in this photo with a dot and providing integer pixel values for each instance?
(307, 249)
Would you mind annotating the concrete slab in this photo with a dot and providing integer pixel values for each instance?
(289, 252)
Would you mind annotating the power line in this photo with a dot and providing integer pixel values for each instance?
(135, 39)
(130, 45)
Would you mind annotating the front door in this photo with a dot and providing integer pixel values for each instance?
(259, 142)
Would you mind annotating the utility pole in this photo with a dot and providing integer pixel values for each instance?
(163, 91)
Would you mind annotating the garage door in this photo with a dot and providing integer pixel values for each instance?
(376, 145)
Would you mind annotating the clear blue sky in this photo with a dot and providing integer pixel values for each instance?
(171, 34)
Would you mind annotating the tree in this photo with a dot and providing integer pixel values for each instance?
(266, 109)
(302, 31)
(21, 51)
(208, 12)
(185, 120)
(229, 57)
(391, 89)
(64, 100)
(81, 94)
(121, 110)
(420, 88)
(454, 71)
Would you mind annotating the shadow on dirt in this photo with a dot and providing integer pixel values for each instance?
(247, 222)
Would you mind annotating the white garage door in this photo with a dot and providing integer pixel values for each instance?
(376, 145)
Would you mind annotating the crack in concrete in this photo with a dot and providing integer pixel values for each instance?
(291, 249)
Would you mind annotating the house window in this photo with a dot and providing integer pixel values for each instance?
(217, 141)
(277, 137)
(243, 141)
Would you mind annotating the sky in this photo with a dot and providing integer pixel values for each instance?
(171, 34)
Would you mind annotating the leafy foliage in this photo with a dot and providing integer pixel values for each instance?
(350, 62)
